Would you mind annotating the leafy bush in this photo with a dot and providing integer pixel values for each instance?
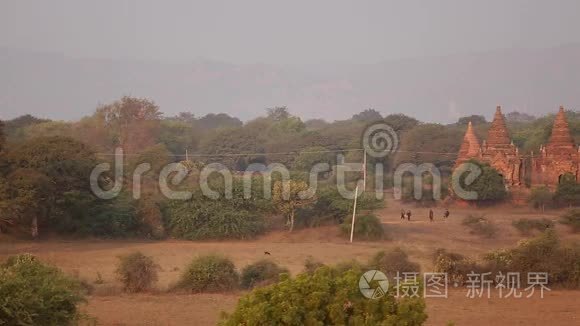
(480, 225)
(311, 265)
(455, 265)
(540, 197)
(199, 219)
(326, 297)
(331, 206)
(393, 261)
(568, 191)
(572, 219)
(210, 273)
(151, 218)
(260, 273)
(32, 293)
(137, 272)
(366, 227)
(489, 185)
(541, 254)
(88, 215)
(526, 225)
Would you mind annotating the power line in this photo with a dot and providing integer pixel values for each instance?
(293, 153)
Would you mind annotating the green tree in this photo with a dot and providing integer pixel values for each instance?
(328, 296)
(400, 122)
(179, 136)
(133, 122)
(30, 197)
(32, 293)
(200, 219)
(310, 156)
(49, 129)
(568, 191)
(15, 127)
(278, 113)
(429, 143)
(287, 198)
(215, 121)
(65, 161)
(474, 119)
(368, 115)
(42, 171)
(489, 186)
(540, 197)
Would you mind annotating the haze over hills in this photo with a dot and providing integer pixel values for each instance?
(438, 89)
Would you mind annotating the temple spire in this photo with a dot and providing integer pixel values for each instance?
(561, 137)
(498, 134)
(470, 147)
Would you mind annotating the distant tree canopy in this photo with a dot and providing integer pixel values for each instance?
(474, 119)
(45, 165)
(400, 122)
(278, 113)
(133, 122)
(41, 172)
(15, 127)
(2, 136)
(369, 115)
(430, 143)
(315, 124)
(516, 116)
(220, 120)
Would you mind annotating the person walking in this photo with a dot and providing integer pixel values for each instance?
(446, 214)
(409, 215)
(403, 214)
(430, 215)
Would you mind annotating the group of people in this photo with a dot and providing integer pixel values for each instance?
(407, 214)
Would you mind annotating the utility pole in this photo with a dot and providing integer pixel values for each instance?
(353, 214)
(365, 170)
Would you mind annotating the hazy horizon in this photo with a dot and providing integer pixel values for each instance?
(324, 59)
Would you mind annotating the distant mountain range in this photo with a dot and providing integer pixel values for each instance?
(439, 89)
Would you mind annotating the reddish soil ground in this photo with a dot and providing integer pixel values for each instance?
(87, 259)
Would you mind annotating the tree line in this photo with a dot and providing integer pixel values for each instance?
(45, 165)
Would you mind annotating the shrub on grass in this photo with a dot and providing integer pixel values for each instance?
(326, 297)
(332, 207)
(197, 219)
(541, 254)
(455, 265)
(479, 225)
(261, 273)
(211, 273)
(32, 293)
(572, 219)
(366, 227)
(137, 272)
(392, 261)
(526, 225)
(311, 265)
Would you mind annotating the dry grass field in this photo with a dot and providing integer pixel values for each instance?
(87, 259)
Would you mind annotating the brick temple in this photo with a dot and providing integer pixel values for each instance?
(558, 157)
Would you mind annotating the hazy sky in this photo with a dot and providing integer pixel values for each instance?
(288, 32)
